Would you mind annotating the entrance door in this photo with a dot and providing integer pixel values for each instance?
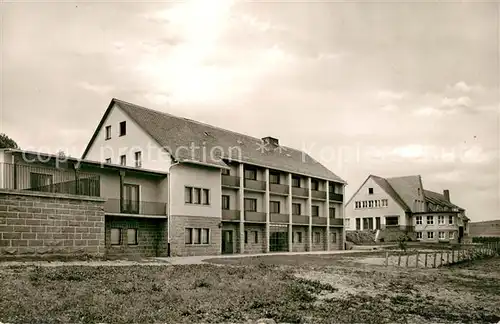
(460, 234)
(278, 238)
(227, 242)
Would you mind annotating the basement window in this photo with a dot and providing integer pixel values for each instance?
(132, 236)
(116, 236)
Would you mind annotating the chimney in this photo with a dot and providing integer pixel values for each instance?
(446, 194)
(271, 141)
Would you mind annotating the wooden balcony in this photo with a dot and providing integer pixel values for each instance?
(319, 220)
(278, 188)
(255, 185)
(255, 217)
(300, 219)
(336, 197)
(279, 218)
(302, 192)
(230, 215)
(318, 194)
(113, 206)
(336, 222)
(230, 181)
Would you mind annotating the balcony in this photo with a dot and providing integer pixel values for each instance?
(230, 215)
(278, 188)
(303, 192)
(404, 228)
(336, 197)
(256, 217)
(49, 180)
(300, 219)
(230, 181)
(255, 185)
(336, 222)
(113, 206)
(319, 220)
(279, 218)
(318, 194)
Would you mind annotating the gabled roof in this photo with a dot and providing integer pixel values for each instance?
(406, 187)
(438, 199)
(177, 134)
(386, 186)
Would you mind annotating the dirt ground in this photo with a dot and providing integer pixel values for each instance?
(291, 289)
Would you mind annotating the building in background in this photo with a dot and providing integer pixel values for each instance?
(401, 205)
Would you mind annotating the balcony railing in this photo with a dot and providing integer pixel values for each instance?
(230, 215)
(230, 181)
(300, 192)
(336, 222)
(49, 179)
(336, 197)
(278, 188)
(257, 217)
(300, 219)
(318, 194)
(279, 218)
(404, 228)
(255, 184)
(113, 206)
(319, 220)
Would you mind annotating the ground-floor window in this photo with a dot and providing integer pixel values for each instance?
(358, 224)
(419, 235)
(116, 236)
(442, 235)
(297, 237)
(430, 235)
(256, 237)
(452, 235)
(391, 220)
(197, 236)
(333, 237)
(317, 237)
(132, 236)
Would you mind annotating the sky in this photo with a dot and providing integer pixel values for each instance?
(381, 88)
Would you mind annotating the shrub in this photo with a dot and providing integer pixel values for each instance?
(486, 239)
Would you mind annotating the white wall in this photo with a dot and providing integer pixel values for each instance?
(153, 156)
(191, 175)
(392, 209)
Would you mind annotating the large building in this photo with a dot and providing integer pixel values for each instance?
(174, 186)
(402, 205)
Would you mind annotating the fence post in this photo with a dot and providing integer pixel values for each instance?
(435, 254)
(407, 259)
(425, 261)
(386, 258)
(399, 259)
(416, 261)
(447, 257)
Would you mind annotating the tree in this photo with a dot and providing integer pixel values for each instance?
(7, 142)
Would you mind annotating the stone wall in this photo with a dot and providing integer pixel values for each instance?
(178, 244)
(47, 224)
(321, 246)
(296, 246)
(252, 247)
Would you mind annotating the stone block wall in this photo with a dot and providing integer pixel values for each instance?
(178, 244)
(48, 224)
(250, 246)
(321, 246)
(296, 246)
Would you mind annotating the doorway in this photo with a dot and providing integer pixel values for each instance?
(227, 242)
(278, 238)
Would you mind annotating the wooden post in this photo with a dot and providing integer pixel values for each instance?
(435, 254)
(416, 260)
(407, 259)
(440, 258)
(448, 257)
(452, 256)
(386, 258)
(425, 261)
(399, 259)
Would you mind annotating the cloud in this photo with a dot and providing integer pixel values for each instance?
(456, 102)
(461, 86)
(100, 89)
(433, 112)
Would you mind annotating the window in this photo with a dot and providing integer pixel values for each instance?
(225, 172)
(418, 191)
(196, 196)
(364, 204)
(347, 222)
(333, 237)
(358, 224)
(418, 220)
(384, 202)
(116, 236)
(442, 235)
(377, 223)
(296, 181)
(188, 235)
(255, 237)
(138, 159)
(132, 236)
(274, 177)
(419, 235)
(452, 235)
(197, 236)
(108, 132)
(298, 236)
(246, 237)
(430, 220)
(331, 212)
(108, 160)
(370, 191)
(295, 209)
(206, 197)
(377, 203)
(315, 210)
(450, 220)
(366, 224)
(205, 236)
(391, 220)
(331, 187)
(441, 220)
(123, 160)
(357, 204)
(225, 202)
(130, 204)
(250, 204)
(314, 185)
(250, 174)
(40, 180)
(430, 235)
(317, 237)
(123, 128)
(274, 207)
(370, 204)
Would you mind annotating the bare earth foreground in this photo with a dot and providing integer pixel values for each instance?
(293, 289)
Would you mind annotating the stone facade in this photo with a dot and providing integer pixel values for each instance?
(178, 245)
(336, 238)
(42, 224)
(299, 246)
(321, 245)
(235, 228)
(151, 236)
(251, 246)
